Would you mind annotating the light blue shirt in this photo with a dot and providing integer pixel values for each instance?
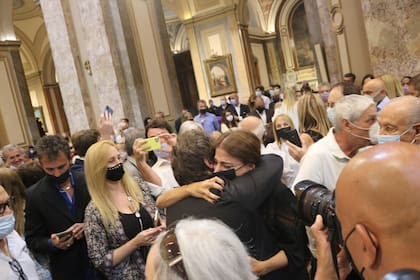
(209, 122)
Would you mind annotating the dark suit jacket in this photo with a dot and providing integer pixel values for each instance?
(46, 213)
(243, 110)
(238, 202)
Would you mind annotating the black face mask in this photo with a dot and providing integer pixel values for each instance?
(260, 109)
(227, 174)
(60, 179)
(115, 173)
(282, 132)
(352, 264)
(203, 111)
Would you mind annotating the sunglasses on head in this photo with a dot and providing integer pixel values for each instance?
(169, 250)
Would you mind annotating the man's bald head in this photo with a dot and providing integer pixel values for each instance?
(378, 194)
(401, 116)
(375, 88)
(254, 125)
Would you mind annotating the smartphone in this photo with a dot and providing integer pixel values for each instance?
(108, 110)
(293, 137)
(156, 219)
(64, 234)
(153, 143)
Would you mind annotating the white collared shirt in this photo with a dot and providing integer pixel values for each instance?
(163, 168)
(323, 162)
(19, 251)
(382, 104)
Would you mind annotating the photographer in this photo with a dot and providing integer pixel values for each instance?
(377, 204)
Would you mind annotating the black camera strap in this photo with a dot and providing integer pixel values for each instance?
(332, 236)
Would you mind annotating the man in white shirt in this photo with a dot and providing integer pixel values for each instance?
(354, 121)
(163, 165)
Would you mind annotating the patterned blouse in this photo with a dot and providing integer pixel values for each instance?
(101, 244)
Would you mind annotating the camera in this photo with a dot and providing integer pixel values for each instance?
(315, 199)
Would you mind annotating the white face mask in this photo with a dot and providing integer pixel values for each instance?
(229, 118)
(373, 132)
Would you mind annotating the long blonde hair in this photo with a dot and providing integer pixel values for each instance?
(14, 187)
(312, 114)
(96, 163)
(290, 99)
(392, 85)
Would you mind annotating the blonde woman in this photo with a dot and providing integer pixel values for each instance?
(118, 229)
(289, 107)
(290, 165)
(313, 123)
(392, 85)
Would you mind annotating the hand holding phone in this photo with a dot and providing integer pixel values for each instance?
(108, 110)
(153, 143)
(64, 234)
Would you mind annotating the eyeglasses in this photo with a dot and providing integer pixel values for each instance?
(16, 267)
(169, 250)
(8, 203)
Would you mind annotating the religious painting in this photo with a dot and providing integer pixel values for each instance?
(304, 54)
(220, 75)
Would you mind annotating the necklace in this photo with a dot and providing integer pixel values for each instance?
(66, 187)
(137, 213)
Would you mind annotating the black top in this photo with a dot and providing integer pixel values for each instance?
(131, 223)
(314, 135)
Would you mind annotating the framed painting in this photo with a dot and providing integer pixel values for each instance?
(220, 76)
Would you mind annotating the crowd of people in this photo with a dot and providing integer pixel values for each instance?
(213, 197)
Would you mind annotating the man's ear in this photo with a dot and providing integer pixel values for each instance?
(370, 246)
(345, 125)
(416, 127)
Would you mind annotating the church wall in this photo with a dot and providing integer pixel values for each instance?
(393, 35)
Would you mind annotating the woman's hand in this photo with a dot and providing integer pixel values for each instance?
(297, 152)
(202, 189)
(259, 268)
(106, 127)
(147, 236)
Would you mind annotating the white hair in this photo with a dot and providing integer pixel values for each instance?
(210, 250)
(351, 107)
(190, 125)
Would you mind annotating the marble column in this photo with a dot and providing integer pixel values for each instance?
(247, 53)
(63, 42)
(17, 121)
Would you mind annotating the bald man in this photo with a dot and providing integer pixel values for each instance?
(377, 203)
(375, 88)
(399, 120)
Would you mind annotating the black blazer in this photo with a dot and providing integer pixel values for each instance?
(243, 110)
(238, 202)
(46, 213)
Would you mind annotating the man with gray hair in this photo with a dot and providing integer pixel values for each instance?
(354, 125)
(13, 156)
(399, 121)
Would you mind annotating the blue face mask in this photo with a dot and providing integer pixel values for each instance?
(258, 93)
(330, 112)
(7, 223)
(391, 138)
(162, 154)
(233, 102)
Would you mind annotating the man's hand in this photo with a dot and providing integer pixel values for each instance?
(140, 149)
(78, 230)
(202, 189)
